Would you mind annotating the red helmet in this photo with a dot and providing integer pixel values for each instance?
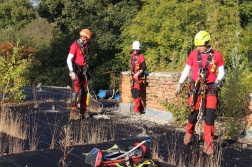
(85, 33)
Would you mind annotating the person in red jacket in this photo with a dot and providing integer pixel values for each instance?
(138, 66)
(77, 62)
(203, 62)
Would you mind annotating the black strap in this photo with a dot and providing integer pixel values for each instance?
(209, 59)
(85, 56)
(133, 61)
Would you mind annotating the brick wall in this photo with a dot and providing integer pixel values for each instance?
(160, 86)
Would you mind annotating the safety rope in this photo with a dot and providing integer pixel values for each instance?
(199, 118)
(91, 97)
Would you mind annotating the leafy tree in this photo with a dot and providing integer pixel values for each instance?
(16, 13)
(14, 60)
(166, 30)
(103, 18)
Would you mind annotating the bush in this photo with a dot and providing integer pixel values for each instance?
(14, 60)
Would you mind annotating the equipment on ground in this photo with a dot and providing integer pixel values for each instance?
(136, 155)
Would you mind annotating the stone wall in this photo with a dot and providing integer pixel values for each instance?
(160, 86)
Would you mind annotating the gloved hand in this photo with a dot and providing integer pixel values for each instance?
(73, 75)
(178, 88)
(217, 83)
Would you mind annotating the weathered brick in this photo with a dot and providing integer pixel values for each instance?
(250, 108)
(172, 87)
(247, 112)
(249, 116)
(153, 88)
(161, 82)
(170, 83)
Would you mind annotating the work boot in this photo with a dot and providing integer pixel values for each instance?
(84, 113)
(208, 148)
(74, 114)
(187, 138)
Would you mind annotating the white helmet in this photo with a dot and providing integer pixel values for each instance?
(136, 45)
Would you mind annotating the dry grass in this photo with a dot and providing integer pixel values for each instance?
(89, 133)
(196, 157)
(64, 143)
(13, 124)
(54, 131)
(33, 135)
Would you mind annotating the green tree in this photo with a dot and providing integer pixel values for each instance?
(103, 18)
(14, 60)
(16, 13)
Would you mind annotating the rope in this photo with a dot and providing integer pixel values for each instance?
(198, 123)
(100, 109)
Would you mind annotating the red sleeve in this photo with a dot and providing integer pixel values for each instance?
(73, 49)
(190, 59)
(141, 59)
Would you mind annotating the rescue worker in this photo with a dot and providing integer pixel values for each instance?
(77, 64)
(138, 66)
(207, 60)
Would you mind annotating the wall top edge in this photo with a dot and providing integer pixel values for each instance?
(158, 74)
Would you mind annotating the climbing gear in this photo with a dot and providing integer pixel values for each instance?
(187, 138)
(141, 76)
(136, 45)
(136, 155)
(86, 33)
(201, 38)
(73, 75)
(199, 86)
(132, 80)
(208, 148)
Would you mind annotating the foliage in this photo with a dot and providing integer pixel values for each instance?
(178, 108)
(237, 85)
(13, 67)
(166, 30)
(103, 18)
(16, 13)
(38, 34)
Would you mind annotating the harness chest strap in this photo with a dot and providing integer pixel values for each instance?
(85, 56)
(203, 79)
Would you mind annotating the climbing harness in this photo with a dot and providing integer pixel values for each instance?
(85, 72)
(132, 80)
(201, 89)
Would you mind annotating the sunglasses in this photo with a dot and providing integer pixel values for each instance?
(135, 50)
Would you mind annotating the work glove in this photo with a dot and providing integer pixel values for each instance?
(178, 88)
(73, 75)
(217, 83)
